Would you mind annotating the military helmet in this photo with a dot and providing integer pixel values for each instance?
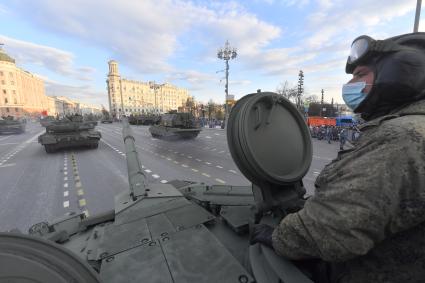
(398, 64)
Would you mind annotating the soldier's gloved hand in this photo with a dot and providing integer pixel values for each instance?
(262, 233)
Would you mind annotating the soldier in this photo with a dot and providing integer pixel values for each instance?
(366, 220)
(342, 138)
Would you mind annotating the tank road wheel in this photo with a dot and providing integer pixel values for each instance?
(49, 148)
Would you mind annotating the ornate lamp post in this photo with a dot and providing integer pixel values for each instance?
(227, 53)
(155, 87)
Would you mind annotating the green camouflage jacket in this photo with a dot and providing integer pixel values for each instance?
(366, 220)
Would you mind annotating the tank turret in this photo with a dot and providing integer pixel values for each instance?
(175, 125)
(70, 132)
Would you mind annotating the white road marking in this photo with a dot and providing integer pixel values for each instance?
(221, 151)
(216, 134)
(220, 181)
(206, 175)
(176, 162)
(65, 178)
(207, 137)
(155, 176)
(65, 173)
(184, 165)
(207, 163)
(214, 149)
(169, 159)
(66, 204)
(189, 156)
(148, 171)
(218, 166)
(199, 160)
(65, 193)
(8, 165)
(233, 171)
(164, 181)
(65, 185)
(195, 170)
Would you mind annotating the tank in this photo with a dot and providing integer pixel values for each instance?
(145, 119)
(181, 231)
(11, 125)
(45, 121)
(176, 125)
(106, 120)
(70, 132)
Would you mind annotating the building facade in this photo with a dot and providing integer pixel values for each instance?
(21, 93)
(134, 97)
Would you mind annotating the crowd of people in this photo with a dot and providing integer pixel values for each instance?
(335, 133)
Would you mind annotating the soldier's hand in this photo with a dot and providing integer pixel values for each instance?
(262, 233)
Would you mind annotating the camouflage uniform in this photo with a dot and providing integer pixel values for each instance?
(366, 219)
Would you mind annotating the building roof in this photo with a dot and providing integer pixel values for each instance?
(5, 57)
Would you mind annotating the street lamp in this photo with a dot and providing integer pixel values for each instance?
(155, 86)
(227, 53)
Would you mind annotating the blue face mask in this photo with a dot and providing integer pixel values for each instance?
(353, 95)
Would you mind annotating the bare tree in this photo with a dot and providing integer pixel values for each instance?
(311, 99)
(286, 91)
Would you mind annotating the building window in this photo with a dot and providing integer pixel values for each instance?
(16, 110)
(4, 91)
(7, 109)
(15, 101)
(3, 82)
(12, 82)
(1, 73)
(11, 74)
(5, 100)
(14, 91)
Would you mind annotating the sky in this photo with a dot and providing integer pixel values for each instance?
(68, 43)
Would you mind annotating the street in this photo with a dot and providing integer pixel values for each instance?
(36, 186)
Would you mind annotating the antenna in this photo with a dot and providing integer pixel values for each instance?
(418, 15)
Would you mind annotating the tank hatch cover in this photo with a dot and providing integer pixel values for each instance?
(23, 257)
(269, 139)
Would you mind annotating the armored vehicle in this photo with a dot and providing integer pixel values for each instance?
(106, 120)
(45, 121)
(69, 132)
(182, 231)
(176, 126)
(11, 125)
(146, 119)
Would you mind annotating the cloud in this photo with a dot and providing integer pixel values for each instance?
(53, 59)
(192, 76)
(81, 93)
(145, 34)
(330, 21)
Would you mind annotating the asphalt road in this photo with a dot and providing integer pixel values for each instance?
(36, 186)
